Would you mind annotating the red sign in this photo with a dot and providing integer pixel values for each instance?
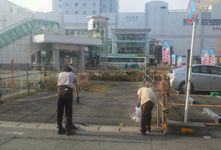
(191, 11)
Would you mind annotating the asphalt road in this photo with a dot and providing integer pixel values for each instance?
(30, 123)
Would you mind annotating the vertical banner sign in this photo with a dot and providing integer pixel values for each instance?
(173, 59)
(211, 56)
(204, 56)
(166, 51)
(179, 61)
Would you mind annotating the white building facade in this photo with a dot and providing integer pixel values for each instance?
(163, 23)
(85, 7)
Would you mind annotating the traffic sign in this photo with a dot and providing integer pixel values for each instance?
(191, 11)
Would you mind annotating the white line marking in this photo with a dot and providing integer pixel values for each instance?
(218, 96)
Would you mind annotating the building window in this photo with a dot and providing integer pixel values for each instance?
(66, 12)
(185, 23)
(163, 7)
(59, 6)
(84, 4)
(10, 9)
(94, 4)
(76, 12)
(66, 4)
(211, 22)
(60, 0)
(94, 12)
(104, 6)
(84, 12)
(76, 4)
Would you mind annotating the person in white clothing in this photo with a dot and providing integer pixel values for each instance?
(146, 99)
(66, 81)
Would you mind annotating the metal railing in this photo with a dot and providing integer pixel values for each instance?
(149, 78)
(25, 76)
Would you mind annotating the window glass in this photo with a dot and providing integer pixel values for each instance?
(19, 32)
(94, 12)
(13, 34)
(196, 69)
(76, 12)
(66, 12)
(25, 29)
(214, 70)
(219, 71)
(94, 4)
(84, 4)
(76, 4)
(66, 4)
(84, 12)
(41, 25)
(56, 28)
(34, 24)
(2, 42)
(205, 69)
(30, 26)
(7, 38)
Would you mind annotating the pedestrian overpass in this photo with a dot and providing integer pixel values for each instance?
(24, 42)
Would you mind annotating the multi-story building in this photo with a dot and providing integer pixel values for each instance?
(85, 7)
(161, 23)
(205, 4)
(11, 8)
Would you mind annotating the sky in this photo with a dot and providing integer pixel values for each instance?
(125, 5)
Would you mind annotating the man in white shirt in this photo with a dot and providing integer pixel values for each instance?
(66, 81)
(146, 99)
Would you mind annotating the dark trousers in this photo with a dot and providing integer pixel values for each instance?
(146, 110)
(64, 100)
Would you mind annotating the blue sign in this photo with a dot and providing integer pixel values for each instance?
(191, 11)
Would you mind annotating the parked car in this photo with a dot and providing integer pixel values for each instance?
(203, 78)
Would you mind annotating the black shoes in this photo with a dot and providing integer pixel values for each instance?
(69, 132)
(148, 129)
(61, 131)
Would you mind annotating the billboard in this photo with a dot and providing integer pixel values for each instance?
(179, 61)
(208, 56)
(173, 59)
(166, 51)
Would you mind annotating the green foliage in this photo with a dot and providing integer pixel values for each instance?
(49, 86)
(111, 85)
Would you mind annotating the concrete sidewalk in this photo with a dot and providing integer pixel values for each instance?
(35, 136)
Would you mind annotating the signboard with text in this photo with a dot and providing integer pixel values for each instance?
(208, 56)
(173, 59)
(166, 51)
(179, 61)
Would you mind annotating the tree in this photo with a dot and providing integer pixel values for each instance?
(218, 47)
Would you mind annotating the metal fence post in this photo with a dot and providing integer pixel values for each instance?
(21, 83)
(158, 110)
(28, 84)
(6, 80)
(148, 75)
(162, 110)
(0, 96)
(44, 73)
(153, 79)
